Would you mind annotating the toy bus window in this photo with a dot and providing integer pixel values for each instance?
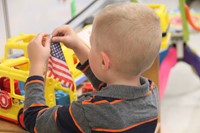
(62, 98)
(18, 60)
(5, 85)
(16, 53)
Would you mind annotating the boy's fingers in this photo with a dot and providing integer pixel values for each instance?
(62, 30)
(41, 36)
(57, 31)
(48, 42)
(58, 39)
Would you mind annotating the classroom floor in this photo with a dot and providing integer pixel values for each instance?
(180, 108)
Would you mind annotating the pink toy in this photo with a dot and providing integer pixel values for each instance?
(164, 71)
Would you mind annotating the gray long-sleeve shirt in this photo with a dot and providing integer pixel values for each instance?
(115, 108)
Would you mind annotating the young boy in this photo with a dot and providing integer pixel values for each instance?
(125, 40)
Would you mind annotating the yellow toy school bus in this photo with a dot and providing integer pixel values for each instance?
(14, 70)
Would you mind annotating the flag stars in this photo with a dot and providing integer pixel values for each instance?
(56, 51)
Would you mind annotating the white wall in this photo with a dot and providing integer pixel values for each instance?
(2, 30)
(170, 4)
(36, 16)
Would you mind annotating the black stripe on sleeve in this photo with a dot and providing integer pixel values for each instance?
(148, 127)
(35, 78)
(84, 65)
(65, 122)
(30, 116)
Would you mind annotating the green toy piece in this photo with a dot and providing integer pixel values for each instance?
(184, 21)
(73, 8)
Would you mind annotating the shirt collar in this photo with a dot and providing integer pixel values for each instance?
(124, 91)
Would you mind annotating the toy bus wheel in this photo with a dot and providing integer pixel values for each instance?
(5, 101)
(21, 119)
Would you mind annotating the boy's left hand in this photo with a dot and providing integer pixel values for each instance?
(38, 53)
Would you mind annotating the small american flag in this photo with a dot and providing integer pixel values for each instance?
(57, 66)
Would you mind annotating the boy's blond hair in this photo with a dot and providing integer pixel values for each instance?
(131, 35)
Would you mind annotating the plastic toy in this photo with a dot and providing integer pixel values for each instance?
(87, 88)
(180, 51)
(72, 61)
(162, 12)
(189, 18)
(14, 72)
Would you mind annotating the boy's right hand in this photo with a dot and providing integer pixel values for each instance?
(67, 36)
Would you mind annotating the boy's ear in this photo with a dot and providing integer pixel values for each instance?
(105, 61)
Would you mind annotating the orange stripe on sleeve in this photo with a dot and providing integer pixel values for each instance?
(24, 109)
(88, 101)
(77, 125)
(37, 105)
(116, 101)
(123, 129)
(56, 113)
(100, 85)
(101, 101)
(34, 81)
(35, 130)
(42, 110)
(98, 102)
(86, 68)
(151, 88)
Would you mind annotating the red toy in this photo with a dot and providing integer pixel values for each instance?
(87, 88)
(5, 85)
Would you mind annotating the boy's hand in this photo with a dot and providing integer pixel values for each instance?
(67, 36)
(38, 53)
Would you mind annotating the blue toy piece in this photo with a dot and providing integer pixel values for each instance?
(21, 86)
(62, 98)
(191, 58)
(162, 55)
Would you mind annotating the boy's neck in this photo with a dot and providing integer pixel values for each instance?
(130, 81)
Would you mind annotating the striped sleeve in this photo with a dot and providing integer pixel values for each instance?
(85, 68)
(66, 121)
(40, 118)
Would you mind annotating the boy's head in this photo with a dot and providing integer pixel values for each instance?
(125, 39)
